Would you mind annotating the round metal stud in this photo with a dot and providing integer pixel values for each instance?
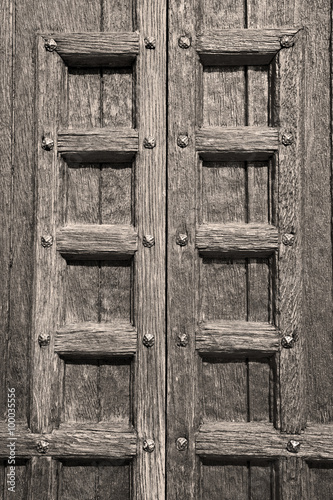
(148, 340)
(182, 340)
(287, 41)
(287, 139)
(148, 241)
(47, 143)
(182, 239)
(288, 341)
(150, 42)
(183, 140)
(288, 239)
(43, 339)
(293, 446)
(42, 446)
(50, 45)
(149, 142)
(184, 42)
(181, 444)
(149, 445)
(47, 241)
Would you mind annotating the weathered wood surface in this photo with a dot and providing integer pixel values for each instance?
(231, 47)
(96, 339)
(96, 49)
(232, 143)
(249, 239)
(237, 337)
(43, 480)
(98, 145)
(97, 241)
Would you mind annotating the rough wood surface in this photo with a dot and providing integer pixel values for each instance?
(97, 241)
(96, 49)
(259, 239)
(98, 145)
(43, 478)
(230, 47)
(237, 337)
(96, 339)
(247, 143)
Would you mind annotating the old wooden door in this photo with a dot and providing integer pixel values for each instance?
(166, 278)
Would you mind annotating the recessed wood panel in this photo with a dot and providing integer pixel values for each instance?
(20, 479)
(94, 481)
(321, 481)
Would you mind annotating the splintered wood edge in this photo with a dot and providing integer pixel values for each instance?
(96, 339)
(237, 337)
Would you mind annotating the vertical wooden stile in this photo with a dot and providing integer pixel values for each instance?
(150, 179)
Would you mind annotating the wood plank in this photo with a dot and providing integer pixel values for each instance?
(223, 480)
(114, 481)
(293, 474)
(96, 339)
(97, 241)
(42, 479)
(231, 239)
(96, 49)
(98, 145)
(320, 480)
(78, 480)
(237, 143)
(237, 337)
(238, 47)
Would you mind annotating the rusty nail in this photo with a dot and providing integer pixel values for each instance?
(47, 143)
(50, 45)
(182, 444)
(287, 139)
(288, 341)
(149, 445)
(148, 340)
(184, 42)
(287, 41)
(183, 140)
(44, 339)
(47, 241)
(182, 340)
(293, 446)
(288, 239)
(149, 142)
(148, 241)
(42, 446)
(150, 42)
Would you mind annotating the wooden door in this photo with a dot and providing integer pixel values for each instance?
(166, 250)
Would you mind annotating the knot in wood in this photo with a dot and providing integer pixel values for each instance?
(150, 42)
(287, 139)
(288, 341)
(182, 239)
(293, 446)
(148, 241)
(185, 42)
(181, 444)
(44, 339)
(148, 340)
(42, 446)
(47, 241)
(182, 140)
(288, 239)
(149, 445)
(47, 143)
(50, 45)
(149, 142)
(287, 41)
(182, 340)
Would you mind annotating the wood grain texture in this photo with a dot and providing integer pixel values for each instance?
(97, 241)
(96, 339)
(98, 145)
(320, 480)
(237, 337)
(42, 478)
(242, 143)
(231, 239)
(96, 49)
(240, 47)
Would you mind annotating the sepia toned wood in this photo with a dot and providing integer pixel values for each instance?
(97, 241)
(42, 479)
(96, 339)
(96, 49)
(257, 239)
(98, 145)
(230, 47)
(320, 480)
(293, 483)
(237, 337)
(225, 480)
(237, 143)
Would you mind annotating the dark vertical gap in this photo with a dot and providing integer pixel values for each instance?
(249, 479)
(246, 20)
(247, 359)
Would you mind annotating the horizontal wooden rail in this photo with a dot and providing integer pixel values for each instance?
(96, 339)
(237, 143)
(240, 47)
(98, 145)
(237, 239)
(96, 49)
(237, 337)
(261, 440)
(104, 241)
(110, 441)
